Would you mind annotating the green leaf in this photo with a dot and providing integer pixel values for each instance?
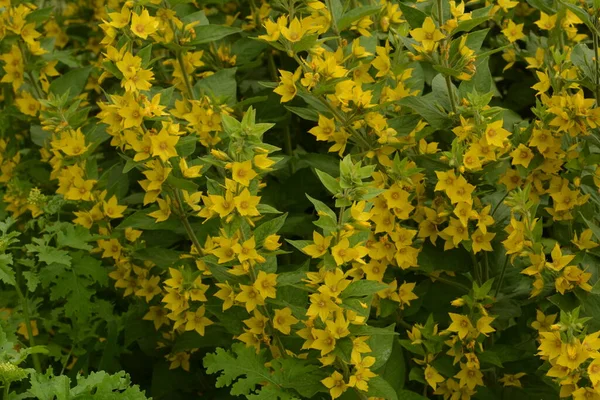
(268, 228)
(362, 288)
(394, 370)
(379, 387)
(210, 33)
(408, 395)
(424, 106)
(221, 84)
(304, 113)
(595, 228)
(39, 136)
(7, 275)
(381, 345)
(330, 183)
(413, 15)
(244, 369)
(186, 145)
(73, 82)
(355, 14)
(74, 236)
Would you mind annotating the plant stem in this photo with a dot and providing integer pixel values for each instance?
(596, 71)
(265, 310)
(184, 74)
(27, 315)
(186, 223)
(501, 277)
(450, 93)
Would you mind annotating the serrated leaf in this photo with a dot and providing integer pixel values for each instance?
(7, 274)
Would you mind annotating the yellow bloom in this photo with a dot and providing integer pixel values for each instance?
(265, 284)
(320, 246)
(112, 209)
(428, 35)
(336, 385)
(250, 297)
(27, 104)
(143, 25)
(163, 212)
(242, 172)
(287, 86)
(294, 32)
(460, 324)
(512, 379)
(246, 204)
(433, 377)
(546, 22)
(163, 145)
(522, 155)
(513, 32)
(283, 320)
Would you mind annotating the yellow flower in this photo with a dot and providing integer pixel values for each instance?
(294, 32)
(428, 35)
(189, 172)
(321, 305)
(324, 341)
(163, 212)
(246, 204)
(163, 145)
(433, 377)
(143, 25)
(543, 322)
(250, 297)
(336, 385)
(482, 241)
(584, 242)
(360, 378)
(483, 325)
(558, 260)
(512, 379)
(522, 155)
(405, 293)
(469, 377)
(572, 355)
(287, 86)
(320, 246)
(222, 205)
(546, 22)
(225, 293)
(513, 32)
(181, 359)
(120, 19)
(112, 209)
(325, 129)
(495, 134)
(27, 104)
(460, 324)
(283, 320)
(242, 172)
(265, 284)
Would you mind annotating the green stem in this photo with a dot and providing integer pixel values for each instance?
(6, 391)
(476, 268)
(265, 310)
(596, 71)
(354, 134)
(27, 315)
(186, 77)
(450, 93)
(501, 277)
(186, 223)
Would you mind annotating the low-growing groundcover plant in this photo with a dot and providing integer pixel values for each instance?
(299, 199)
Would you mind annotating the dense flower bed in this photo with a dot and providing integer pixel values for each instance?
(283, 199)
